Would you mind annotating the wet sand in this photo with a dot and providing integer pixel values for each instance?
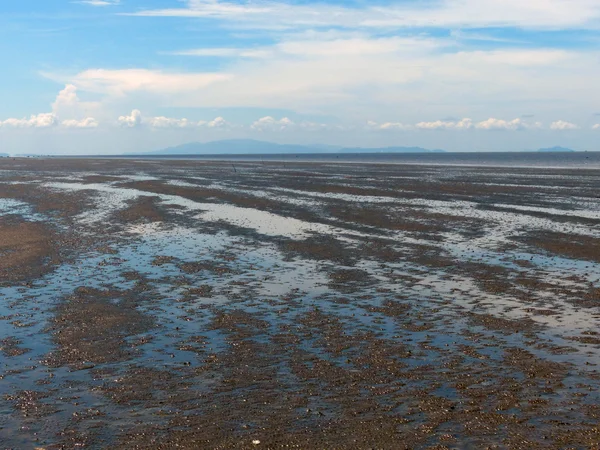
(194, 304)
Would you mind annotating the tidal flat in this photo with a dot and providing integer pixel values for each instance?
(154, 304)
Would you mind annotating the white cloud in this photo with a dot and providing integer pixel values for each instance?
(351, 75)
(133, 120)
(596, 127)
(562, 125)
(512, 57)
(68, 105)
(225, 52)
(44, 120)
(372, 125)
(88, 122)
(218, 122)
(167, 122)
(67, 112)
(136, 119)
(66, 97)
(358, 46)
(271, 124)
(454, 14)
(327, 45)
(314, 126)
(121, 82)
(464, 124)
(99, 2)
(510, 125)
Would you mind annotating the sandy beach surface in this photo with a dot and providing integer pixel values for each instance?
(195, 304)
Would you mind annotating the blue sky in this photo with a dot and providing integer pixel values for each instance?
(104, 76)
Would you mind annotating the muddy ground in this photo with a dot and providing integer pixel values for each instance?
(190, 304)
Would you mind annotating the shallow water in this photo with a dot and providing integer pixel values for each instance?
(228, 294)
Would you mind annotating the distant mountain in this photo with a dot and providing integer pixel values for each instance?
(249, 146)
(556, 149)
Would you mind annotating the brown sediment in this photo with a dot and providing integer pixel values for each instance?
(143, 209)
(30, 403)
(501, 324)
(12, 347)
(381, 218)
(27, 249)
(349, 280)
(91, 326)
(567, 245)
(64, 205)
(321, 248)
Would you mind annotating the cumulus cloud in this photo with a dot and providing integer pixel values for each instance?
(66, 97)
(136, 119)
(218, 122)
(315, 126)
(68, 105)
(133, 120)
(371, 125)
(44, 120)
(596, 127)
(510, 125)
(271, 124)
(67, 112)
(168, 122)
(464, 124)
(88, 122)
(562, 125)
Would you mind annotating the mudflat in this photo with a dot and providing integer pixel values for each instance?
(194, 304)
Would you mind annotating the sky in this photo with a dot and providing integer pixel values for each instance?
(114, 76)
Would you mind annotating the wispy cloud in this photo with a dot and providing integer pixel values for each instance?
(224, 52)
(99, 2)
(445, 13)
(121, 82)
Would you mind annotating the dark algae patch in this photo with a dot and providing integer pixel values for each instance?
(27, 249)
(164, 304)
(91, 327)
